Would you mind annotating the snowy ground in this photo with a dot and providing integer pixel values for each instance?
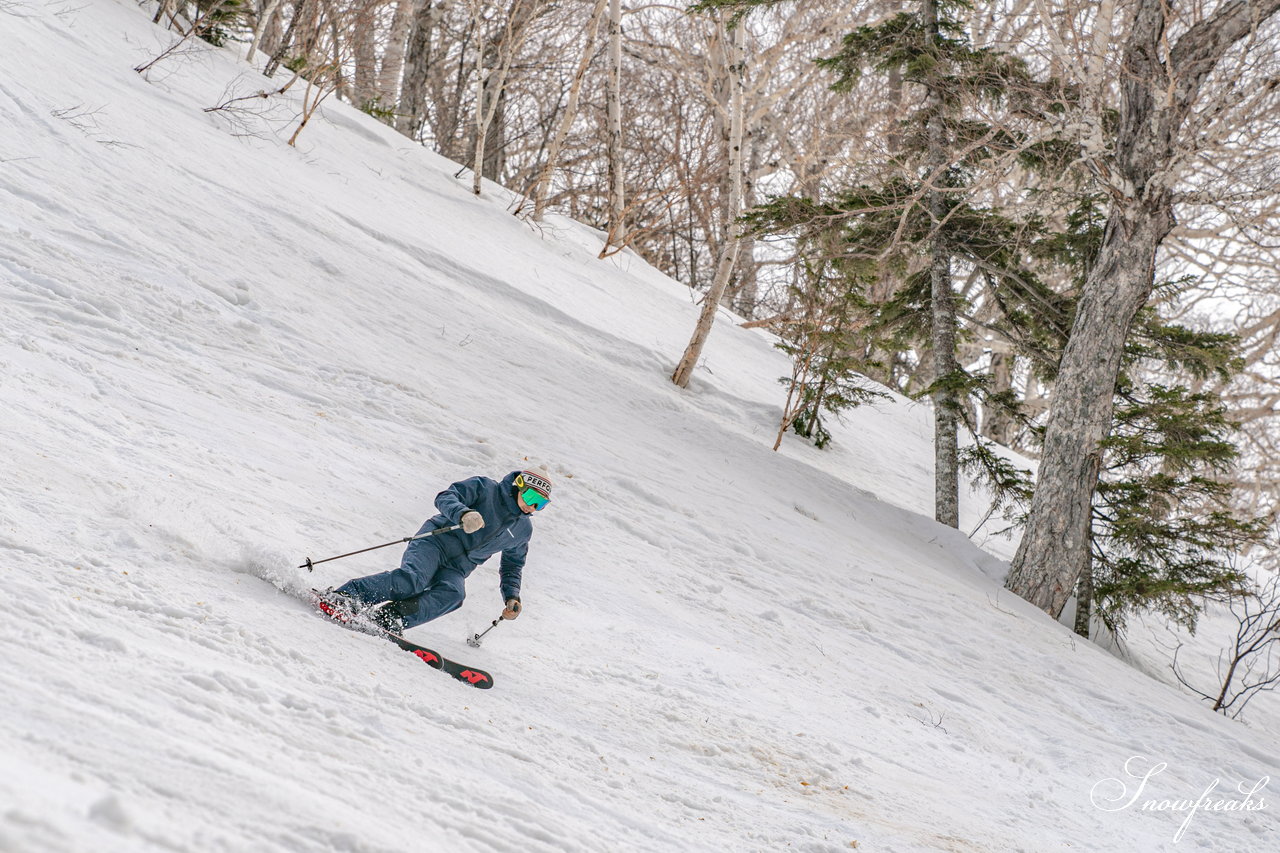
(220, 355)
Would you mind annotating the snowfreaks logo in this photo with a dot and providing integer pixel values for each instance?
(1113, 795)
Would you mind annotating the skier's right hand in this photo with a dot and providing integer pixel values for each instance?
(471, 521)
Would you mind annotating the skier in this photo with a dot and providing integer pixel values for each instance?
(494, 516)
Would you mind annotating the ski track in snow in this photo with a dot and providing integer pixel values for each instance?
(221, 355)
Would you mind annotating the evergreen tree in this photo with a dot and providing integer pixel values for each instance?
(821, 339)
(1162, 535)
(918, 222)
(218, 20)
(929, 49)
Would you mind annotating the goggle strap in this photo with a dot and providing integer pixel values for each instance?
(533, 481)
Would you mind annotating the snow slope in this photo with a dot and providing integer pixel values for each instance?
(220, 355)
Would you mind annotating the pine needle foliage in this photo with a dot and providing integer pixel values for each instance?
(1164, 536)
(822, 341)
(220, 20)
(921, 207)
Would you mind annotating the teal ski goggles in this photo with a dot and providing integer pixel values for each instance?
(534, 498)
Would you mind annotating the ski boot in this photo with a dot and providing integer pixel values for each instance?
(338, 606)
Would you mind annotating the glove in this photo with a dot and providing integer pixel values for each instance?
(513, 609)
(471, 521)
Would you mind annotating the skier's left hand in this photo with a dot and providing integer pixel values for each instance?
(513, 609)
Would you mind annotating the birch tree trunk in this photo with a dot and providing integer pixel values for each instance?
(617, 200)
(481, 107)
(729, 253)
(745, 292)
(719, 93)
(391, 66)
(264, 20)
(272, 34)
(1159, 86)
(164, 10)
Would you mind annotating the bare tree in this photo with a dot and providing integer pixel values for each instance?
(728, 254)
(538, 197)
(301, 15)
(493, 64)
(1251, 664)
(265, 19)
(324, 41)
(675, 204)
(200, 25)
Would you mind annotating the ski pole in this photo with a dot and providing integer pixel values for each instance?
(310, 564)
(474, 639)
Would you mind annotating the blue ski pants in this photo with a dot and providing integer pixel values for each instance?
(426, 586)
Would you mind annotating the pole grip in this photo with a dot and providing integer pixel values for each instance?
(434, 532)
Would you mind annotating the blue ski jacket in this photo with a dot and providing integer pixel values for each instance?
(506, 528)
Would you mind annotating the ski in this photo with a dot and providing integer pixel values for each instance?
(477, 678)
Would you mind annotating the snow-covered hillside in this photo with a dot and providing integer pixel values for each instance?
(220, 355)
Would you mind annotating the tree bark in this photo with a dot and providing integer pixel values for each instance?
(745, 289)
(1157, 95)
(391, 65)
(728, 254)
(617, 185)
(1084, 599)
(260, 27)
(946, 466)
(302, 20)
(364, 88)
(481, 117)
(997, 424)
(495, 159)
(417, 65)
